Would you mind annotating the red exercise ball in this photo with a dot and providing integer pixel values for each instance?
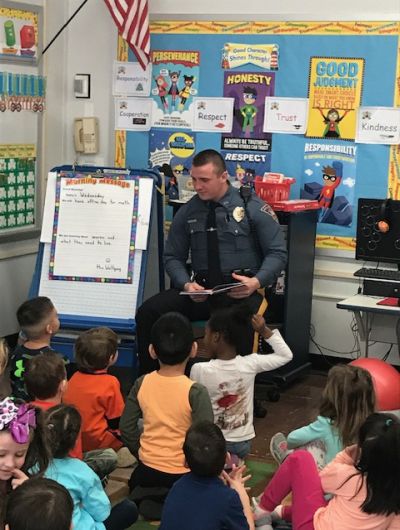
(386, 382)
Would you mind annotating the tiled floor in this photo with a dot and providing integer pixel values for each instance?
(298, 405)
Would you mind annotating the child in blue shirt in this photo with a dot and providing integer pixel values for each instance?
(207, 498)
(92, 509)
(347, 400)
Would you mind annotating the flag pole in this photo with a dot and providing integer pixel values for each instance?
(63, 27)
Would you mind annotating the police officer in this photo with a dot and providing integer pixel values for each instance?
(248, 247)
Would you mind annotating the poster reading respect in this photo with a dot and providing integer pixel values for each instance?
(334, 91)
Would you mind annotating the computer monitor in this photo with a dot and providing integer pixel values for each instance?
(373, 243)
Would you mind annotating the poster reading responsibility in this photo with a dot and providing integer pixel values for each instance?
(175, 82)
(249, 90)
(329, 176)
(334, 91)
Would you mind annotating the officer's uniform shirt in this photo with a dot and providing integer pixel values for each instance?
(237, 246)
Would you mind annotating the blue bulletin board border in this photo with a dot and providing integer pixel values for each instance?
(378, 168)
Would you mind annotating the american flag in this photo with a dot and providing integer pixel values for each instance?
(132, 20)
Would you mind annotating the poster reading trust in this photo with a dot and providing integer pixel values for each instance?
(334, 91)
(249, 90)
(175, 82)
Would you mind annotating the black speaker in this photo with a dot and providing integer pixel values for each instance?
(384, 289)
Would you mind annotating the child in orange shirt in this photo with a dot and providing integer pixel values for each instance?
(46, 382)
(95, 393)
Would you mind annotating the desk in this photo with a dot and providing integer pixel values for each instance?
(364, 308)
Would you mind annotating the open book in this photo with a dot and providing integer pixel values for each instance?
(215, 290)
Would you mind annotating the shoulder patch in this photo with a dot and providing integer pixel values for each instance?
(266, 208)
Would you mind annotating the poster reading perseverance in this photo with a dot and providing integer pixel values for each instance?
(175, 82)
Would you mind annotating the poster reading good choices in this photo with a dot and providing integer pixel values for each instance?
(334, 91)
(94, 229)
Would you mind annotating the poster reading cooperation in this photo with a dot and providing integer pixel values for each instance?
(334, 91)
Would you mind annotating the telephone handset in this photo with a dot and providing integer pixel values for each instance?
(86, 135)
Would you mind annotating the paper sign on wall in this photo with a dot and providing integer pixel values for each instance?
(378, 125)
(129, 79)
(133, 114)
(285, 115)
(264, 55)
(94, 229)
(213, 114)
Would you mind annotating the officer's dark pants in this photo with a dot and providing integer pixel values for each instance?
(171, 300)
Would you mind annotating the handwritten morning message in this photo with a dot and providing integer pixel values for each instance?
(93, 229)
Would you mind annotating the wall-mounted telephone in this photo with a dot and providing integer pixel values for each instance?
(86, 135)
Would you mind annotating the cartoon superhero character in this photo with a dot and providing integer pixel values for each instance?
(184, 94)
(162, 89)
(249, 110)
(249, 175)
(173, 89)
(331, 120)
(332, 176)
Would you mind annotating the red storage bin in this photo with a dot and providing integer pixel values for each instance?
(273, 188)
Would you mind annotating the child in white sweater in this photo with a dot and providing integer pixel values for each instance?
(229, 378)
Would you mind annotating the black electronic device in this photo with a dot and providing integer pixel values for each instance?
(384, 289)
(388, 275)
(378, 230)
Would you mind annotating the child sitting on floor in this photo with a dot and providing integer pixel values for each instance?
(38, 320)
(97, 394)
(229, 377)
(92, 509)
(347, 400)
(23, 447)
(46, 382)
(169, 403)
(200, 500)
(39, 504)
(363, 480)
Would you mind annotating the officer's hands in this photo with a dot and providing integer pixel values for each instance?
(191, 287)
(250, 285)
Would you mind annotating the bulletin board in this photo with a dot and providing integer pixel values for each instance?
(22, 103)
(370, 48)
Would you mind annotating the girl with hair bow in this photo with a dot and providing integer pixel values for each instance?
(23, 447)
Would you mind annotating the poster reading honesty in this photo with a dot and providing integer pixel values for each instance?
(249, 90)
(175, 82)
(334, 91)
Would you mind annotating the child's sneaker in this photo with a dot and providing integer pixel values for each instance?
(262, 518)
(125, 458)
(278, 447)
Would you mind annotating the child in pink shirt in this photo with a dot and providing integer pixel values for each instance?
(363, 480)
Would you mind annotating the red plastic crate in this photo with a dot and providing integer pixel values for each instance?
(273, 189)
